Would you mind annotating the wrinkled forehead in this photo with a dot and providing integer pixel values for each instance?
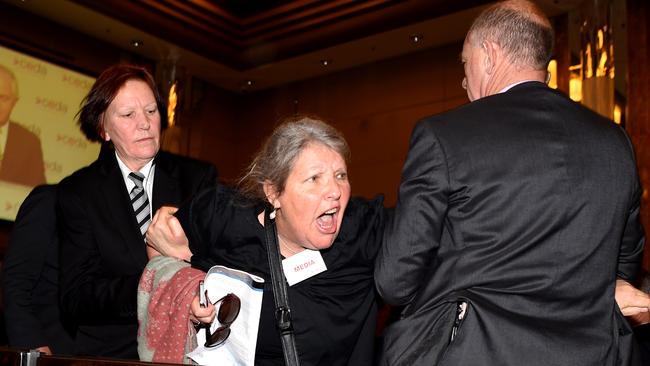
(132, 88)
(321, 147)
(313, 152)
(468, 46)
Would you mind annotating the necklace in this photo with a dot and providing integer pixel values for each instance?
(287, 246)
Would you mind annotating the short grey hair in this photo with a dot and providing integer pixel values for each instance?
(520, 28)
(276, 158)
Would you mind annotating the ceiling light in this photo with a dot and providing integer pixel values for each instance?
(136, 43)
(416, 38)
(325, 62)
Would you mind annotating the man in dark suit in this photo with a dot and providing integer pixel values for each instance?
(21, 157)
(30, 278)
(516, 214)
(105, 208)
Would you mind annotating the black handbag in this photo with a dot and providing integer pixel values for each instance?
(279, 282)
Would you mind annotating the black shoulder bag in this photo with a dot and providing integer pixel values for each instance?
(282, 310)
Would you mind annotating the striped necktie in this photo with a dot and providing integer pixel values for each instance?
(140, 202)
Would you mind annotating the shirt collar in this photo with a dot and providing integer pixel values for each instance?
(508, 87)
(146, 170)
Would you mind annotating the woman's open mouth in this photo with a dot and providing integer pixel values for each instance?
(327, 222)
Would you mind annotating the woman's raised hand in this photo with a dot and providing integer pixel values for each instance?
(165, 235)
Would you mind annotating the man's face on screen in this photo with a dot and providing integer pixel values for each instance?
(7, 96)
(132, 122)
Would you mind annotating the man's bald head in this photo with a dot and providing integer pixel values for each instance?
(520, 28)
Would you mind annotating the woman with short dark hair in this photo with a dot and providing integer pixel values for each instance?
(105, 208)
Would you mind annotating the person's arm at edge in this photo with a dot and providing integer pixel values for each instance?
(32, 237)
(633, 238)
(632, 302)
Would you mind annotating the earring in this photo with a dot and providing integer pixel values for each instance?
(272, 214)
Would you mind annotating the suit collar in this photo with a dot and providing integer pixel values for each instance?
(510, 86)
(165, 183)
(525, 85)
(106, 160)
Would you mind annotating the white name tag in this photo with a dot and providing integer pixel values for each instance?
(303, 265)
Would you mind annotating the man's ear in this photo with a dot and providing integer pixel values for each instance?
(490, 50)
(271, 194)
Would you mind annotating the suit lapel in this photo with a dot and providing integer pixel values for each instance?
(118, 204)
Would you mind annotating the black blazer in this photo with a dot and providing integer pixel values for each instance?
(30, 278)
(102, 251)
(525, 205)
(22, 161)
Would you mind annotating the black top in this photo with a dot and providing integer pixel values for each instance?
(30, 280)
(334, 312)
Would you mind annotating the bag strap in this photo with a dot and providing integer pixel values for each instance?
(282, 310)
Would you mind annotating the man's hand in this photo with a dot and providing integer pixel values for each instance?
(45, 350)
(634, 304)
(165, 235)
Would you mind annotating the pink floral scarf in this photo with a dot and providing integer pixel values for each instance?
(165, 292)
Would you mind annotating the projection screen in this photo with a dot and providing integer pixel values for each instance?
(48, 98)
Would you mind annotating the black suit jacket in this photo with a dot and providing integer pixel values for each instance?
(31, 277)
(22, 162)
(102, 251)
(525, 205)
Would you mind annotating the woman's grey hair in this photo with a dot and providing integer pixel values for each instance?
(274, 161)
(520, 28)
